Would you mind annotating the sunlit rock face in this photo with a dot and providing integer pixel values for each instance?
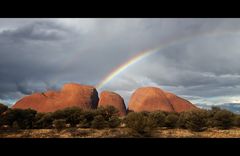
(86, 97)
(108, 98)
(71, 95)
(154, 99)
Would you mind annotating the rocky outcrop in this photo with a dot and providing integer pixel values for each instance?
(179, 104)
(86, 97)
(108, 98)
(153, 99)
(71, 94)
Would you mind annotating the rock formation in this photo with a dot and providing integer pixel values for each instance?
(112, 99)
(86, 97)
(179, 104)
(71, 94)
(153, 99)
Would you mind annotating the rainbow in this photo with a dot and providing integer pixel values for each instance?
(146, 53)
(124, 66)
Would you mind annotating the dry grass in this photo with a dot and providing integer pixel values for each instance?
(210, 133)
(118, 133)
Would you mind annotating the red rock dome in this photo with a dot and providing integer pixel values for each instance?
(153, 99)
(112, 99)
(71, 94)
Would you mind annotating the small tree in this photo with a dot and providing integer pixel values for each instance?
(159, 118)
(107, 112)
(3, 108)
(196, 120)
(140, 123)
(43, 120)
(86, 119)
(114, 121)
(181, 123)
(223, 119)
(24, 118)
(15, 125)
(99, 122)
(36, 120)
(59, 124)
(171, 120)
(237, 121)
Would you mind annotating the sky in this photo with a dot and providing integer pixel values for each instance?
(198, 59)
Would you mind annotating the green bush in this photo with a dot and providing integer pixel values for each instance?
(181, 123)
(140, 123)
(159, 118)
(59, 124)
(171, 120)
(86, 119)
(107, 112)
(3, 108)
(99, 122)
(37, 119)
(15, 125)
(105, 117)
(114, 121)
(196, 120)
(211, 113)
(24, 117)
(223, 119)
(43, 120)
(72, 115)
(237, 121)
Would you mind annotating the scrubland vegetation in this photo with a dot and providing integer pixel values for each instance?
(143, 124)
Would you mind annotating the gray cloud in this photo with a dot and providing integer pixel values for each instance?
(41, 54)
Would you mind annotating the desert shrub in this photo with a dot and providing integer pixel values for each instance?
(59, 124)
(134, 121)
(72, 115)
(15, 125)
(38, 117)
(211, 114)
(196, 120)
(114, 121)
(181, 123)
(3, 108)
(107, 112)
(43, 120)
(140, 123)
(86, 118)
(237, 121)
(109, 117)
(171, 120)
(99, 122)
(24, 117)
(158, 117)
(223, 119)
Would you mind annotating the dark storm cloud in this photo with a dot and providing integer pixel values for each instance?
(45, 31)
(25, 60)
(24, 89)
